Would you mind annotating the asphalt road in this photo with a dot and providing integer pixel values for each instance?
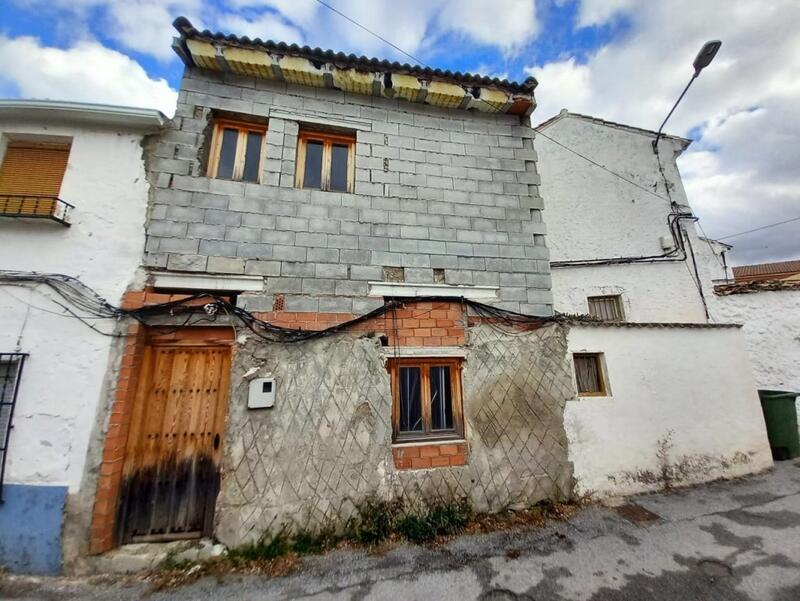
(728, 541)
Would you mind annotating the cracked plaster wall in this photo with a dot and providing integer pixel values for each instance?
(326, 445)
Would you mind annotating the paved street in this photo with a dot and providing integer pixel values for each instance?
(732, 541)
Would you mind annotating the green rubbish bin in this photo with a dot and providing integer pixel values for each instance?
(780, 414)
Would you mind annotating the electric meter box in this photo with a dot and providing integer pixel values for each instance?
(262, 393)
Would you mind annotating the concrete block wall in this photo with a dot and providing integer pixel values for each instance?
(435, 189)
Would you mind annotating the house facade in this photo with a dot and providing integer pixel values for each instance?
(661, 365)
(66, 212)
(396, 211)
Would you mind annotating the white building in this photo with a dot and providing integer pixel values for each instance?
(73, 201)
(666, 393)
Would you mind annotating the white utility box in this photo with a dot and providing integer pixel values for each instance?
(262, 393)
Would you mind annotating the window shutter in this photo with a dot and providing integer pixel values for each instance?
(33, 169)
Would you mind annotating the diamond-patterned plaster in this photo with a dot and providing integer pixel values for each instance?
(326, 444)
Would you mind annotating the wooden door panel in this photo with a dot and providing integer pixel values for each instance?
(171, 471)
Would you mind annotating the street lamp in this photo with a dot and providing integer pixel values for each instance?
(701, 61)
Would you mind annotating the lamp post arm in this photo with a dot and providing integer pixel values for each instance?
(672, 110)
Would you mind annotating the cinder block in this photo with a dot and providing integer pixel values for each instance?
(330, 270)
(255, 267)
(225, 265)
(351, 288)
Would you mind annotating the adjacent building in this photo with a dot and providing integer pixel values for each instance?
(665, 392)
(67, 211)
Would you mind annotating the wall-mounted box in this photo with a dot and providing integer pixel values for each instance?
(262, 393)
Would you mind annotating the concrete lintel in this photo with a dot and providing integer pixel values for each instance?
(357, 124)
(405, 289)
(389, 352)
(204, 281)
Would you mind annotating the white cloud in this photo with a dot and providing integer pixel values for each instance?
(266, 27)
(742, 172)
(506, 24)
(87, 72)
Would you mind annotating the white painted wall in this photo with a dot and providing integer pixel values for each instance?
(771, 326)
(63, 376)
(593, 214)
(691, 387)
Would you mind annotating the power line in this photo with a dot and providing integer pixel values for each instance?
(381, 38)
(758, 229)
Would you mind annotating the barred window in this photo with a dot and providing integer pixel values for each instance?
(606, 308)
(10, 370)
(589, 374)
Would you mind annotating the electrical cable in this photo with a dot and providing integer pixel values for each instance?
(758, 229)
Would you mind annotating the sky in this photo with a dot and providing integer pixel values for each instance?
(622, 60)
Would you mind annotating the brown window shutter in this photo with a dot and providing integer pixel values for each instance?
(33, 169)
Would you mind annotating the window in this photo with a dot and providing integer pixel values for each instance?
(30, 179)
(236, 150)
(589, 374)
(325, 161)
(10, 370)
(606, 308)
(426, 399)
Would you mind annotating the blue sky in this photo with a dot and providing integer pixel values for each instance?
(623, 60)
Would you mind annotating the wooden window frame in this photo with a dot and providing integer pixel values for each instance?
(244, 128)
(617, 298)
(601, 373)
(327, 140)
(427, 434)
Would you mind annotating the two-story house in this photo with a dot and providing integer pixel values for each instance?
(73, 201)
(665, 390)
(377, 231)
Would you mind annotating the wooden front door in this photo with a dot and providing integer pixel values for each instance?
(172, 458)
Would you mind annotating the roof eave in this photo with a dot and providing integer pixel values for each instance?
(124, 117)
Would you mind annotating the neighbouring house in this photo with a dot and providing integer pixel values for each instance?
(765, 298)
(396, 210)
(666, 394)
(65, 209)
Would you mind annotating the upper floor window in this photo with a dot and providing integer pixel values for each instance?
(30, 180)
(426, 399)
(325, 161)
(237, 150)
(606, 308)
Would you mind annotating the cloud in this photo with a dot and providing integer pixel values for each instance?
(266, 27)
(87, 72)
(742, 172)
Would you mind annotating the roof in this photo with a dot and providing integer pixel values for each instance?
(85, 113)
(359, 74)
(592, 323)
(684, 142)
(749, 286)
(767, 271)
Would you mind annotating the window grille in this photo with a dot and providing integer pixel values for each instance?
(10, 371)
(606, 308)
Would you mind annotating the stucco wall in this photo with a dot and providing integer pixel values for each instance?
(63, 376)
(326, 444)
(771, 327)
(593, 214)
(683, 409)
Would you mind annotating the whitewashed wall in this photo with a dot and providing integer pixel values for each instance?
(683, 409)
(771, 326)
(63, 376)
(593, 214)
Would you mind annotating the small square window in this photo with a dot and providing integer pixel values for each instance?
(426, 399)
(589, 375)
(325, 161)
(606, 308)
(237, 150)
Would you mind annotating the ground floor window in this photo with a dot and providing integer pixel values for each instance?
(589, 375)
(426, 399)
(10, 371)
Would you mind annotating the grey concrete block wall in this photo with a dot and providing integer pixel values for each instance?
(446, 189)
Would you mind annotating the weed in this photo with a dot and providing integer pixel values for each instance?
(415, 528)
(308, 543)
(266, 547)
(375, 521)
(440, 519)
